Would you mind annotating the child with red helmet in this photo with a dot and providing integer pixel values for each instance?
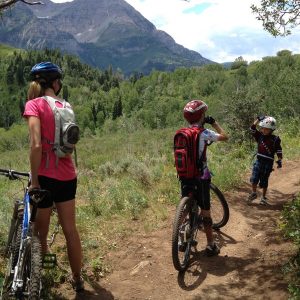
(267, 145)
(194, 113)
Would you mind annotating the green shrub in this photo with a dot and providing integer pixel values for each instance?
(291, 229)
(14, 139)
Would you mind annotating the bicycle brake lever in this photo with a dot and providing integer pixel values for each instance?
(37, 195)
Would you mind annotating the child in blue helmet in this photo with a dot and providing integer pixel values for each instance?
(267, 146)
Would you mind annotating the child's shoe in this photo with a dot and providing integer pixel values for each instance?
(263, 201)
(251, 197)
(78, 284)
(212, 250)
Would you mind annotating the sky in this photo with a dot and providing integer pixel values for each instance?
(220, 30)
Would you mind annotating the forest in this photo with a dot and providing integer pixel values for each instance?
(105, 100)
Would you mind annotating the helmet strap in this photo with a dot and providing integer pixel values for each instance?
(60, 87)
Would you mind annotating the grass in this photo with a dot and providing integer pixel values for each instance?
(7, 50)
(290, 226)
(122, 178)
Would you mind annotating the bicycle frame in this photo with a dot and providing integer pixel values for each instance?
(27, 232)
(17, 284)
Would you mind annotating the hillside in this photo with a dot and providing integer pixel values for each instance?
(125, 207)
(127, 185)
(104, 101)
(100, 32)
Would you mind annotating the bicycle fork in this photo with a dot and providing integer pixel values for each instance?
(17, 283)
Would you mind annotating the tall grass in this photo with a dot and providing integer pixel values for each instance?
(122, 176)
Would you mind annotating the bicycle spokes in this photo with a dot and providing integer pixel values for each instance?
(184, 233)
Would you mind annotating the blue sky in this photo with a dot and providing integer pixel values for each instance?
(220, 30)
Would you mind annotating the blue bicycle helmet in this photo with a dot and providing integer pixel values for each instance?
(46, 70)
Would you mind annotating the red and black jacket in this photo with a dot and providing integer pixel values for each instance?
(267, 145)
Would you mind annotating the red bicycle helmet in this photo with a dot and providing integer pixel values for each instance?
(194, 110)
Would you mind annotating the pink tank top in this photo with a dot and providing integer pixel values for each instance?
(65, 169)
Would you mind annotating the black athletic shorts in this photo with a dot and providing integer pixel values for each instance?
(200, 190)
(60, 191)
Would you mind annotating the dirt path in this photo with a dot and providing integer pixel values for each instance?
(248, 267)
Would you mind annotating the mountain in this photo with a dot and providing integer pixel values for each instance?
(100, 32)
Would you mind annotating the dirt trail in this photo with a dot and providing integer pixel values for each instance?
(248, 267)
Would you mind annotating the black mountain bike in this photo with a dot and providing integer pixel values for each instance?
(23, 250)
(186, 224)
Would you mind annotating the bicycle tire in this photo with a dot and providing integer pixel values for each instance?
(16, 241)
(13, 259)
(32, 269)
(12, 228)
(219, 207)
(183, 217)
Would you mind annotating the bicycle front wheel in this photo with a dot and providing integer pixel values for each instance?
(32, 269)
(183, 233)
(13, 251)
(218, 207)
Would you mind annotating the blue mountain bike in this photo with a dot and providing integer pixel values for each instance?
(23, 249)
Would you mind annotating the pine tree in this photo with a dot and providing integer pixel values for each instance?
(118, 109)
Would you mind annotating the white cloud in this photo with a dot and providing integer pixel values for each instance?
(222, 31)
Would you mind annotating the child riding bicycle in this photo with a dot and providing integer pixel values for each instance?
(194, 113)
(267, 145)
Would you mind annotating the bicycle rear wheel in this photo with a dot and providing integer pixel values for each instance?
(219, 207)
(32, 269)
(184, 233)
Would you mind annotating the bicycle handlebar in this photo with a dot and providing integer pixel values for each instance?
(13, 175)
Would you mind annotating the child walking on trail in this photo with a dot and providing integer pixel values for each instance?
(267, 145)
(194, 113)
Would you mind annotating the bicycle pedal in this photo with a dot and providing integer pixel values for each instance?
(49, 261)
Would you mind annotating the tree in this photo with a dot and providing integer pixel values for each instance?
(118, 109)
(7, 3)
(65, 92)
(239, 62)
(278, 16)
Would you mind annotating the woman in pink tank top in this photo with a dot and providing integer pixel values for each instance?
(58, 178)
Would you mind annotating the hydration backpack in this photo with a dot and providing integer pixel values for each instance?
(186, 152)
(66, 129)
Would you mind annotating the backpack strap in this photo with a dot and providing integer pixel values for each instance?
(75, 156)
(266, 147)
(51, 102)
(200, 159)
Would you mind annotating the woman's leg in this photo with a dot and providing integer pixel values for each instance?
(41, 226)
(66, 215)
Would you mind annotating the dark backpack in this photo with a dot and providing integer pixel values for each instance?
(186, 152)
